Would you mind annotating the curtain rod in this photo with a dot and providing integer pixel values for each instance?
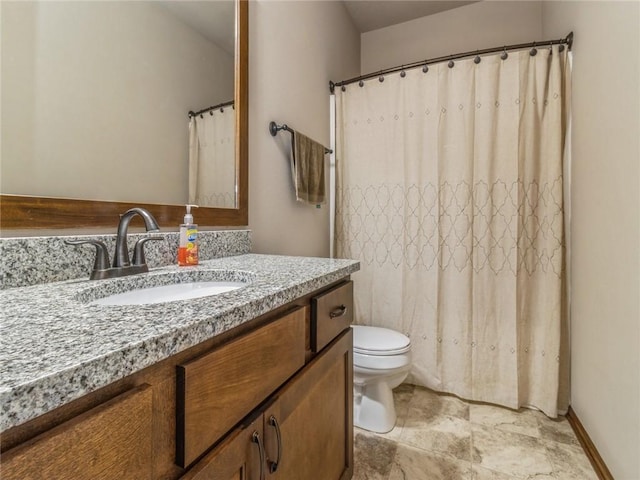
(568, 40)
(210, 109)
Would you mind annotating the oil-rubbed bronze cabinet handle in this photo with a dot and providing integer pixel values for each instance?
(255, 438)
(273, 466)
(338, 312)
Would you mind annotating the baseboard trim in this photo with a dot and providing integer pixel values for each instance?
(589, 448)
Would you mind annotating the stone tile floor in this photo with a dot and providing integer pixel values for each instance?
(439, 436)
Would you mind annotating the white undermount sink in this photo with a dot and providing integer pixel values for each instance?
(169, 293)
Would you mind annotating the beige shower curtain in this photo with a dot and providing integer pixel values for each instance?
(212, 160)
(450, 193)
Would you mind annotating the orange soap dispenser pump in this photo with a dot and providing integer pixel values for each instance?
(188, 247)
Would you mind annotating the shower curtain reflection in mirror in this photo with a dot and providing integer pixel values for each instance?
(212, 167)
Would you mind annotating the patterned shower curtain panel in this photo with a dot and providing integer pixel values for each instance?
(450, 193)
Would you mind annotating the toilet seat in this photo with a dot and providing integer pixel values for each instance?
(378, 341)
(381, 363)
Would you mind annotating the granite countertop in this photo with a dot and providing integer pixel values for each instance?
(56, 347)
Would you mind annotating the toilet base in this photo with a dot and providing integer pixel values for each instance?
(374, 408)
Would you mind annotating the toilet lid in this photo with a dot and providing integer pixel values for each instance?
(379, 341)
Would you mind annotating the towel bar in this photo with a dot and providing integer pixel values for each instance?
(275, 128)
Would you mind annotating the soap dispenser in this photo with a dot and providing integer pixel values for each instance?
(188, 247)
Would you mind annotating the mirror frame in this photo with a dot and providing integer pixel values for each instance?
(31, 212)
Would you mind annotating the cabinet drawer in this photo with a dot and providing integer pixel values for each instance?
(331, 313)
(217, 390)
(110, 441)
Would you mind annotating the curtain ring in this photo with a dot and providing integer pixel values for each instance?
(381, 78)
(504, 55)
(201, 116)
(451, 63)
(211, 112)
(344, 89)
(477, 60)
(534, 50)
(425, 69)
(361, 83)
(221, 110)
(403, 73)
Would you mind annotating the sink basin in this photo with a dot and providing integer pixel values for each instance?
(169, 293)
(163, 287)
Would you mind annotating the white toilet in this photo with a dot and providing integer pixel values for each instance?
(381, 361)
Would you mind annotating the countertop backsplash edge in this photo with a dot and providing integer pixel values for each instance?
(27, 261)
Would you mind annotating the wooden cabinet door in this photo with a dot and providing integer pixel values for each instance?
(240, 456)
(111, 441)
(313, 416)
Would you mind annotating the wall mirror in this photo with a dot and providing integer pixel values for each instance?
(95, 111)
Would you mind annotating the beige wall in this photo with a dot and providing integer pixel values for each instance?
(295, 48)
(476, 26)
(605, 245)
(95, 98)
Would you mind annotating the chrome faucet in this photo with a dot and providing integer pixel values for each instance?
(121, 263)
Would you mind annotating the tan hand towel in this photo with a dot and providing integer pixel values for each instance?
(307, 167)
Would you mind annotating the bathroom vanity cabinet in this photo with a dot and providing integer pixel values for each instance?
(271, 398)
(304, 431)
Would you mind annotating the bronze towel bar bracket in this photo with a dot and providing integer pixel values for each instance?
(274, 128)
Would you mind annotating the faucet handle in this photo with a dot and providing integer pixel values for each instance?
(138, 250)
(102, 255)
